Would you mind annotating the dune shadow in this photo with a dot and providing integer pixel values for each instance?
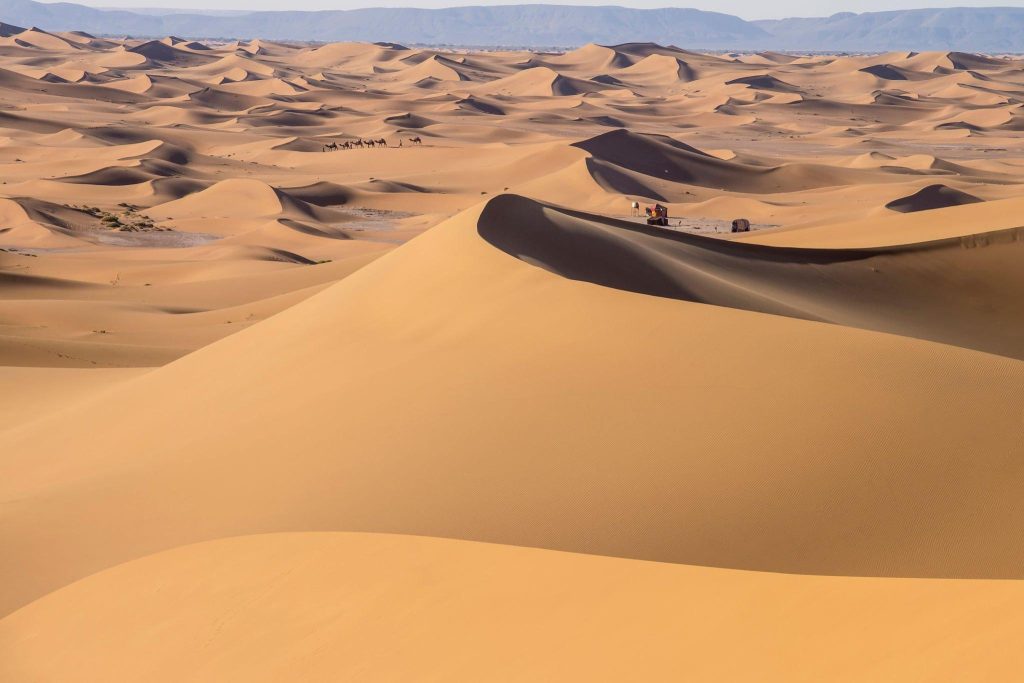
(964, 291)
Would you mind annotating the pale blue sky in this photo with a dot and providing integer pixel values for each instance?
(748, 9)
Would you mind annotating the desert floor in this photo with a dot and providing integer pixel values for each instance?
(442, 409)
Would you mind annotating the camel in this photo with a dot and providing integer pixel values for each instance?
(331, 146)
(371, 143)
(382, 143)
(416, 140)
(357, 143)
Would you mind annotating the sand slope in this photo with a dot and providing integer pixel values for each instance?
(317, 607)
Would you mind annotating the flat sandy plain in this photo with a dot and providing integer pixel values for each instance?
(441, 410)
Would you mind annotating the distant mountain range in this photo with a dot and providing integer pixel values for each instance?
(997, 29)
(976, 29)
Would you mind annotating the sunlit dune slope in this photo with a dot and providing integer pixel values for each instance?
(319, 607)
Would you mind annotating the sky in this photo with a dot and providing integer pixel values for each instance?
(747, 9)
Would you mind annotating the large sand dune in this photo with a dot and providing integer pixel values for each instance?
(228, 322)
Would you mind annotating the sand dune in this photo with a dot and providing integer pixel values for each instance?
(932, 197)
(886, 379)
(316, 606)
(668, 160)
(254, 290)
(238, 198)
(539, 81)
(591, 59)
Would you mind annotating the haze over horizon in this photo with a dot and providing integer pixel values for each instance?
(745, 9)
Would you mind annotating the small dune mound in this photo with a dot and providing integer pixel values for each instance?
(885, 71)
(136, 84)
(479, 106)
(235, 198)
(641, 50)
(540, 81)
(872, 160)
(161, 53)
(322, 193)
(220, 100)
(591, 59)
(894, 98)
(44, 40)
(233, 64)
(936, 196)
(390, 187)
(776, 57)
(960, 125)
(964, 61)
(36, 223)
(436, 67)
(764, 82)
(157, 51)
(52, 78)
(264, 87)
(658, 70)
(357, 57)
(409, 120)
(121, 58)
(12, 212)
(111, 175)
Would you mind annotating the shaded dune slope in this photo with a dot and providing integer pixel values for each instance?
(661, 157)
(932, 197)
(963, 291)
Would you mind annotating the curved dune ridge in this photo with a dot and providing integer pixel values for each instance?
(930, 290)
(666, 159)
(350, 361)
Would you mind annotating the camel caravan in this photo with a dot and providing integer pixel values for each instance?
(353, 144)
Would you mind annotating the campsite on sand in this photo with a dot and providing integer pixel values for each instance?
(356, 362)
